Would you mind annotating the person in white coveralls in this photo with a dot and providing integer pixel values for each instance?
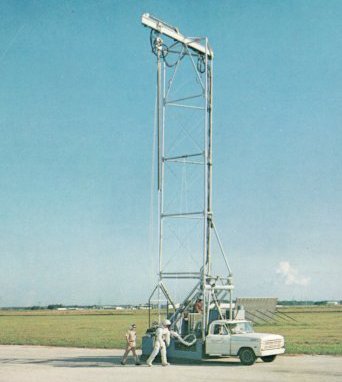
(162, 340)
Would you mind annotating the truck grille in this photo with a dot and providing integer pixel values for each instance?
(272, 344)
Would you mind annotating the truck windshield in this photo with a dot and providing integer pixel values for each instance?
(241, 327)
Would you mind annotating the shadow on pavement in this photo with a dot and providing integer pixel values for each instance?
(112, 361)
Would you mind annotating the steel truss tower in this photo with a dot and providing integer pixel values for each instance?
(184, 130)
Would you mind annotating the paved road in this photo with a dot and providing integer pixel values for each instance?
(53, 364)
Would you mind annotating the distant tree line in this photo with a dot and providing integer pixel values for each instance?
(55, 306)
(59, 306)
(296, 302)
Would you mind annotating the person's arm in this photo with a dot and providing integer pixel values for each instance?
(167, 337)
(127, 338)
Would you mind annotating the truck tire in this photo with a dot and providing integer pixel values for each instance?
(247, 356)
(269, 358)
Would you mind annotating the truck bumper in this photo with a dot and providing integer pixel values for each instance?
(265, 353)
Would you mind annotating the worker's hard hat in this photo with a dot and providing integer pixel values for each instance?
(166, 323)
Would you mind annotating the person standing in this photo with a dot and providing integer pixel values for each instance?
(162, 340)
(131, 337)
(198, 307)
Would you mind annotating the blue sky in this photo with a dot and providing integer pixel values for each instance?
(76, 129)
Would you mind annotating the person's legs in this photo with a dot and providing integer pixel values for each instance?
(163, 356)
(153, 354)
(135, 355)
(124, 357)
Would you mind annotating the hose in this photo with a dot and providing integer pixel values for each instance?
(184, 340)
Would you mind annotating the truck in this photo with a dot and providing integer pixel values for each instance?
(237, 338)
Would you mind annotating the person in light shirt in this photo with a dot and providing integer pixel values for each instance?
(131, 337)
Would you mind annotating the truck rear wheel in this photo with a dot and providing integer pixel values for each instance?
(269, 358)
(247, 356)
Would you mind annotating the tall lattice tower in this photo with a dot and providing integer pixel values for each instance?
(186, 226)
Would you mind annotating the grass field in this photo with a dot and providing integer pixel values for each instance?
(316, 330)
(311, 330)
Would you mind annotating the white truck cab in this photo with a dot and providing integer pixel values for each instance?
(237, 338)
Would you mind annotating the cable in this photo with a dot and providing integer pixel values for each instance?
(201, 64)
(157, 43)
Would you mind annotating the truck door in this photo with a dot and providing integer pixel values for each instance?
(218, 340)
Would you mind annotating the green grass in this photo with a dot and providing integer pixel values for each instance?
(93, 329)
(314, 331)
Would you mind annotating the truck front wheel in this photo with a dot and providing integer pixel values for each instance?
(269, 358)
(247, 356)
